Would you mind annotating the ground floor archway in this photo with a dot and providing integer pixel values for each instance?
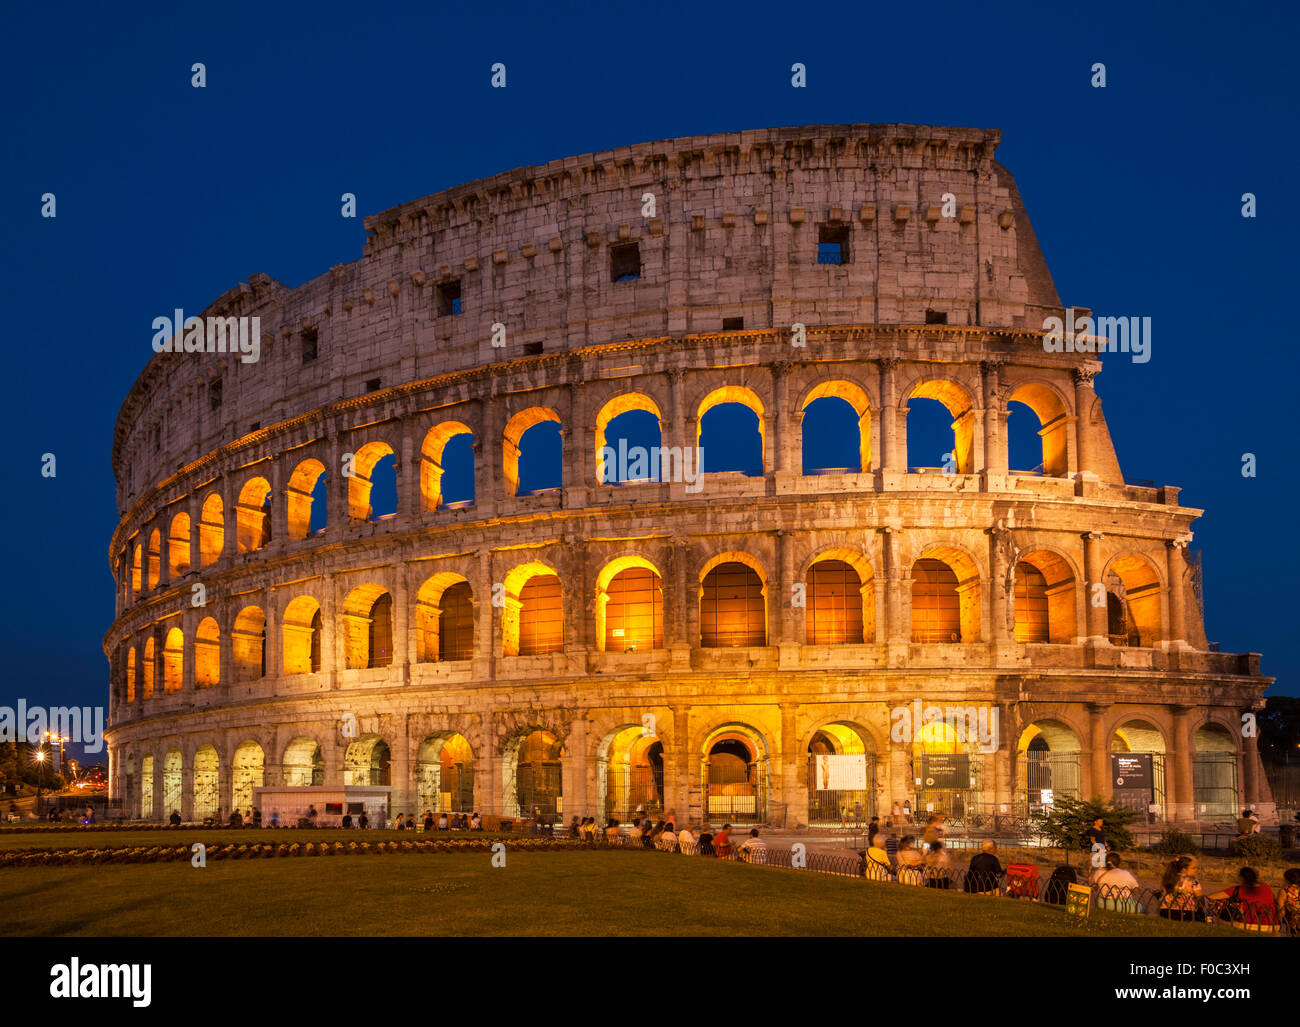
(444, 775)
(841, 776)
(734, 772)
(630, 774)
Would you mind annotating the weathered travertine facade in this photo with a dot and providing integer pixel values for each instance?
(1063, 597)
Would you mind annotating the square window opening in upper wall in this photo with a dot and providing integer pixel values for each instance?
(833, 244)
(625, 262)
(449, 302)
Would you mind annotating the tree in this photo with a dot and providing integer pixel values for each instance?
(1066, 820)
(1279, 728)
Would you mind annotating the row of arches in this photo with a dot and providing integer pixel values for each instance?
(733, 772)
(835, 436)
(838, 597)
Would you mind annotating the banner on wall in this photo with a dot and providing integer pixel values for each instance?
(840, 773)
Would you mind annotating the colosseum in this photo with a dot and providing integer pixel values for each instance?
(400, 562)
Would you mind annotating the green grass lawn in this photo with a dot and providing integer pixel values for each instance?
(123, 839)
(561, 893)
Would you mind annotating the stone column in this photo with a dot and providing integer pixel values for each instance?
(889, 426)
(484, 617)
(279, 505)
(894, 628)
(336, 491)
(995, 447)
(274, 643)
(579, 617)
(784, 620)
(1083, 399)
(190, 629)
(1184, 805)
(682, 752)
(1250, 768)
(1000, 605)
(795, 798)
(1176, 562)
(403, 654)
(330, 635)
(573, 785)
(1100, 784)
(409, 500)
(781, 421)
(1098, 632)
(1004, 782)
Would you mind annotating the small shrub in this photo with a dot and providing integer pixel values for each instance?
(1175, 843)
(1256, 846)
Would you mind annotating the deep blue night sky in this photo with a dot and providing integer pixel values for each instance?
(169, 195)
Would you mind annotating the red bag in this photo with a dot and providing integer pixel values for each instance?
(1022, 880)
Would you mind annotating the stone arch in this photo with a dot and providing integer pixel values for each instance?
(734, 774)
(367, 628)
(173, 782)
(368, 761)
(248, 644)
(178, 546)
(956, 399)
(137, 569)
(1045, 601)
(532, 619)
(1143, 734)
(849, 609)
(630, 773)
(1049, 763)
(147, 665)
(360, 484)
(857, 398)
(612, 409)
(733, 601)
(300, 497)
(146, 786)
(444, 631)
(444, 773)
(207, 653)
(247, 771)
(131, 673)
(629, 605)
(533, 778)
(1134, 584)
(512, 442)
(431, 460)
(743, 396)
(253, 516)
(303, 762)
(212, 530)
(205, 784)
(1052, 411)
(301, 636)
(155, 559)
(173, 657)
(1216, 751)
(840, 736)
(939, 593)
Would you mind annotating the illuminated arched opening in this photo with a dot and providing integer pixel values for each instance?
(253, 516)
(1214, 773)
(155, 559)
(131, 673)
(444, 619)
(630, 774)
(178, 546)
(945, 597)
(368, 628)
(836, 428)
(212, 530)
(173, 661)
(300, 499)
(368, 761)
(534, 779)
(248, 644)
(444, 774)
(925, 427)
(730, 431)
(629, 606)
(1133, 601)
(1048, 766)
(531, 452)
(446, 448)
(303, 763)
(247, 771)
(840, 600)
(733, 602)
(634, 420)
(1037, 431)
(147, 667)
(532, 619)
(302, 636)
(146, 787)
(172, 782)
(207, 653)
(372, 485)
(734, 765)
(947, 761)
(1044, 599)
(137, 569)
(1141, 780)
(844, 785)
(205, 787)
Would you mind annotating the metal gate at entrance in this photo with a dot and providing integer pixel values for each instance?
(538, 789)
(629, 788)
(456, 789)
(957, 784)
(735, 792)
(835, 808)
(1046, 775)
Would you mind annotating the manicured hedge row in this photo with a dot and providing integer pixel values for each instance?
(259, 850)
